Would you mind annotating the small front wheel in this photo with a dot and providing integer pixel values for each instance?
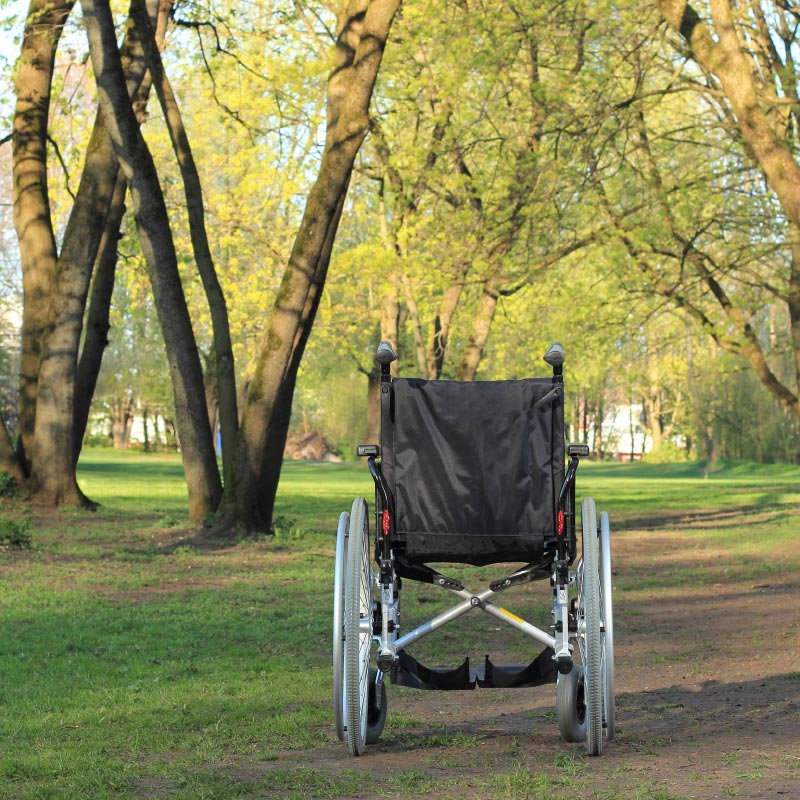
(376, 712)
(571, 705)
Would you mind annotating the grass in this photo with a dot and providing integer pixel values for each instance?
(135, 664)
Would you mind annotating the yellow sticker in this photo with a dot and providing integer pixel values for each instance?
(508, 614)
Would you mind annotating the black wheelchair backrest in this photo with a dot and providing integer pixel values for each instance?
(475, 468)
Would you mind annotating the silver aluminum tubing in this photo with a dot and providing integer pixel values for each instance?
(471, 601)
(439, 621)
(510, 619)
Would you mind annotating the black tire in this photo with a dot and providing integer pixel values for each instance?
(338, 623)
(593, 638)
(358, 628)
(376, 713)
(571, 705)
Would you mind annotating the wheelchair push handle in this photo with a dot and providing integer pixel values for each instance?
(555, 355)
(385, 355)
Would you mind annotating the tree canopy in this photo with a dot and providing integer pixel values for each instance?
(238, 202)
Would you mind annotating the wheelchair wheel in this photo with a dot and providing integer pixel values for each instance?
(338, 622)
(376, 713)
(358, 629)
(571, 705)
(608, 626)
(592, 640)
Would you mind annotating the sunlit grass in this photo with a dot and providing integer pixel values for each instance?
(136, 664)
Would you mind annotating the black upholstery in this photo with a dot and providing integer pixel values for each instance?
(475, 468)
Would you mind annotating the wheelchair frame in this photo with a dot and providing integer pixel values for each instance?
(367, 610)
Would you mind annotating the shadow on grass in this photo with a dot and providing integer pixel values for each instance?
(765, 512)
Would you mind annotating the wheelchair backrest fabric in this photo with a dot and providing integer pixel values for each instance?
(475, 468)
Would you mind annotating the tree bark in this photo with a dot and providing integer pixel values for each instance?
(481, 327)
(53, 474)
(38, 253)
(152, 222)
(250, 495)
(437, 348)
(224, 368)
(97, 316)
(104, 271)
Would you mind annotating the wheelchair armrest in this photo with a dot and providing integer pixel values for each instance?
(579, 450)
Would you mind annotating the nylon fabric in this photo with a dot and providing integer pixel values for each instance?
(475, 468)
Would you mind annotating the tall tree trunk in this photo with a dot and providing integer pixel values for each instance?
(150, 213)
(223, 348)
(97, 316)
(104, 271)
(37, 244)
(722, 55)
(53, 474)
(416, 328)
(250, 495)
(8, 458)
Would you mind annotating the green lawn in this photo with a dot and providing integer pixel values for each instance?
(135, 664)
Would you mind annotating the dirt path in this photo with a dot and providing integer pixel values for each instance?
(708, 697)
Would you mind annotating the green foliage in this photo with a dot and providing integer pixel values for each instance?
(668, 453)
(8, 486)
(15, 532)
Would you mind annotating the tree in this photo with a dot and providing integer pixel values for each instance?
(250, 495)
(747, 71)
(152, 221)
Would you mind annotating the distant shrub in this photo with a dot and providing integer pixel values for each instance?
(15, 532)
(668, 453)
(8, 486)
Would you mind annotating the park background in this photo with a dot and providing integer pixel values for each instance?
(470, 181)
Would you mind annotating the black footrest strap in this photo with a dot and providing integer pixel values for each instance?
(409, 672)
(540, 671)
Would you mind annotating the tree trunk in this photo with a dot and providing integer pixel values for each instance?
(250, 495)
(8, 458)
(122, 411)
(104, 272)
(224, 371)
(37, 244)
(97, 317)
(437, 349)
(416, 328)
(53, 474)
(373, 434)
(481, 326)
(152, 222)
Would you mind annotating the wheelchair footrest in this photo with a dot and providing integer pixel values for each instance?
(540, 671)
(409, 672)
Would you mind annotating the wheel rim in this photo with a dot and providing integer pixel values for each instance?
(608, 627)
(338, 622)
(592, 648)
(358, 629)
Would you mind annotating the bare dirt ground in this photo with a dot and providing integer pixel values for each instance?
(708, 696)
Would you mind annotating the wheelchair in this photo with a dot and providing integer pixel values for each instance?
(473, 474)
